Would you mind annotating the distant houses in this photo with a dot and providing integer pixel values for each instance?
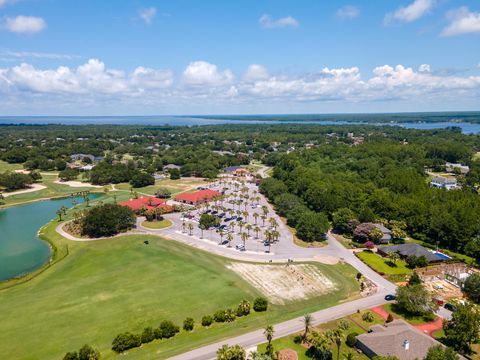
(396, 338)
(441, 182)
(237, 171)
(456, 167)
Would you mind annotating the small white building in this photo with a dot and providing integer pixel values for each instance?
(444, 183)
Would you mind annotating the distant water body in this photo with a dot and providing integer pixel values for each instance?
(467, 128)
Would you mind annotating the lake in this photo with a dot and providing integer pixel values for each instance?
(467, 128)
(21, 251)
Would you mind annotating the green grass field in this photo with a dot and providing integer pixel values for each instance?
(4, 166)
(157, 224)
(98, 289)
(380, 264)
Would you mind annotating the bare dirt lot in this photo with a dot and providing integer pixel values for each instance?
(281, 283)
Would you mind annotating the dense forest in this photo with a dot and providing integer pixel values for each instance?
(384, 180)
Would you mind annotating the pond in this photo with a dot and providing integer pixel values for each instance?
(21, 251)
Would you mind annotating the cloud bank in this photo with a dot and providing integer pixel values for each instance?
(24, 24)
(267, 22)
(201, 82)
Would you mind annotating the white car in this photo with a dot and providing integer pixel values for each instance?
(240, 247)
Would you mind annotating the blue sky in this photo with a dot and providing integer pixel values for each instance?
(216, 57)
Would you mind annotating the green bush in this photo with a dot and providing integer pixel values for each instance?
(260, 304)
(219, 316)
(230, 315)
(351, 339)
(168, 329)
(207, 320)
(71, 356)
(148, 335)
(472, 287)
(243, 308)
(88, 353)
(297, 339)
(188, 324)
(367, 316)
(126, 341)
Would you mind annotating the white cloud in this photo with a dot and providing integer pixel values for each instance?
(202, 83)
(267, 22)
(204, 73)
(6, 2)
(24, 24)
(411, 12)
(255, 72)
(8, 55)
(462, 21)
(148, 15)
(348, 12)
(91, 77)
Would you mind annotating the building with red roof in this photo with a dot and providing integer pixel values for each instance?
(197, 196)
(147, 203)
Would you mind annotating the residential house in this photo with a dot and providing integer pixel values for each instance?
(444, 183)
(397, 338)
(452, 167)
(410, 249)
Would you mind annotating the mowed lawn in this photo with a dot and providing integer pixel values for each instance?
(381, 265)
(106, 287)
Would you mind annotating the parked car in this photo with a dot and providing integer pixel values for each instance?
(227, 219)
(265, 243)
(450, 307)
(239, 218)
(240, 247)
(390, 297)
(224, 242)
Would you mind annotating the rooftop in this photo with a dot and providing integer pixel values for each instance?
(398, 339)
(410, 249)
(197, 196)
(147, 202)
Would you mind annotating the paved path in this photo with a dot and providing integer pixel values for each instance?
(285, 328)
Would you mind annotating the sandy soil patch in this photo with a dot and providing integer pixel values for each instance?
(21, 171)
(282, 283)
(76, 184)
(32, 188)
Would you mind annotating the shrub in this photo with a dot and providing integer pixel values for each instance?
(260, 304)
(472, 287)
(243, 308)
(188, 324)
(142, 179)
(351, 339)
(389, 318)
(126, 341)
(88, 353)
(71, 356)
(207, 320)
(230, 315)
(168, 329)
(148, 335)
(219, 316)
(297, 339)
(367, 316)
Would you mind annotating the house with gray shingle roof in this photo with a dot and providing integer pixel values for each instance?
(397, 338)
(407, 250)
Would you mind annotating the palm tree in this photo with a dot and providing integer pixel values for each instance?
(275, 235)
(255, 217)
(307, 321)
(319, 343)
(222, 234)
(229, 238)
(268, 332)
(248, 227)
(335, 336)
(244, 237)
(240, 225)
(257, 230)
(264, 217)
(273, 223)
(232, 225)
(245, 215)
(265, 210)
(349, 356)
(201, 227)
(59, 212)
(184, 226)
(190, 228)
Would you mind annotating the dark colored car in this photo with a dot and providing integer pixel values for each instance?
(390, 297)
(227, 219)
(450, 307)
